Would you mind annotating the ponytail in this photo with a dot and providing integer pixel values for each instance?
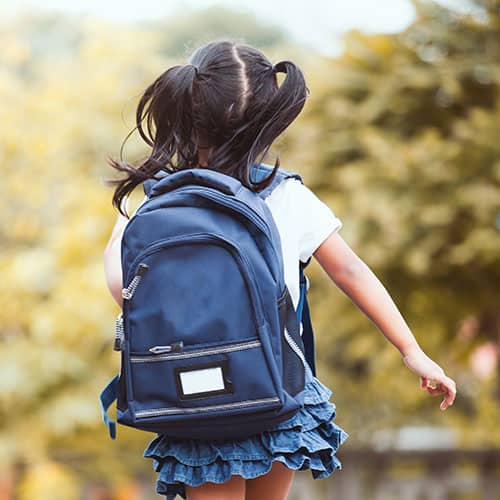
(283, 108)
(163, 120)
(228, 96)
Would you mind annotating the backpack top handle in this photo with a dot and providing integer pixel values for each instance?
(199, 176)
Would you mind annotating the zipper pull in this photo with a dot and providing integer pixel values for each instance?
(128, 292)
(119, 332)
(174, 347)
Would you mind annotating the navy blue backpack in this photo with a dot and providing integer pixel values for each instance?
(209, 339)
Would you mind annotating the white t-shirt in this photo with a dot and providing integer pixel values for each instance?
(303, 222)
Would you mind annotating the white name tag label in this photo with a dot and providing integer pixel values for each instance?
(202, 381)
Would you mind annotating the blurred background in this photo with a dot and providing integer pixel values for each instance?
(400, 137)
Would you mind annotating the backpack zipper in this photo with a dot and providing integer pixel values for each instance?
(197, 352)
(119, 332)
(249, 213)
(128, 292)
(245, 266)
(295, 347)
(224, 406)
(174, 347)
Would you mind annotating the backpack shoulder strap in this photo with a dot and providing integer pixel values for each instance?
(259, 172)
(148, 184)
(262, 170)
(303, 312)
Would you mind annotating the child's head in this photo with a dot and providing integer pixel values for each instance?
(221, 110)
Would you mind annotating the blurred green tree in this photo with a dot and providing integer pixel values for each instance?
(402, 143)
(188, 28)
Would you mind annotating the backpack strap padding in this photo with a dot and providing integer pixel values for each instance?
(199, 176)
(149, 183)
(261, 171)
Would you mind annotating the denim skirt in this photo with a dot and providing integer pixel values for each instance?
(306, 441)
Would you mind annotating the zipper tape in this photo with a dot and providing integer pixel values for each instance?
(128, 292)
(228, 202)
(245, 266)
(119, 332)
(295, 347)
(198, 352)
(291, 324)
(224, 406)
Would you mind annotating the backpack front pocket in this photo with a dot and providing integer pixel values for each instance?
(202, 378)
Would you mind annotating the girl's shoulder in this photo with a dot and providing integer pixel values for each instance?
(300, 199)
(302, 216)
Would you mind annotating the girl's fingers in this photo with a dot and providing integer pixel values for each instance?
(447, 386)
(444, 386)
(435, 391)
(436, 382)
(452, 392)
(431, 387)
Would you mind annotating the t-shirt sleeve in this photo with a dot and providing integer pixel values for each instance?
(315, 219)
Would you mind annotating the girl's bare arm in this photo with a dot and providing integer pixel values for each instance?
(112, 259)
(112, 254)
(353, 276)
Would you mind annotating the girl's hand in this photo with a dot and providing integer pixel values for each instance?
(417, 361)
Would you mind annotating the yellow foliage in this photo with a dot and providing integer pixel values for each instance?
(49, 481)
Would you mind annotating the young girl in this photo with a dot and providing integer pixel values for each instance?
(220, 111)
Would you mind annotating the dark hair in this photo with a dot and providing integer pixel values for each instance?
(226, 98)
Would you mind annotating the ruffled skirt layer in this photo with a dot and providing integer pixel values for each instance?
(306, 441)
